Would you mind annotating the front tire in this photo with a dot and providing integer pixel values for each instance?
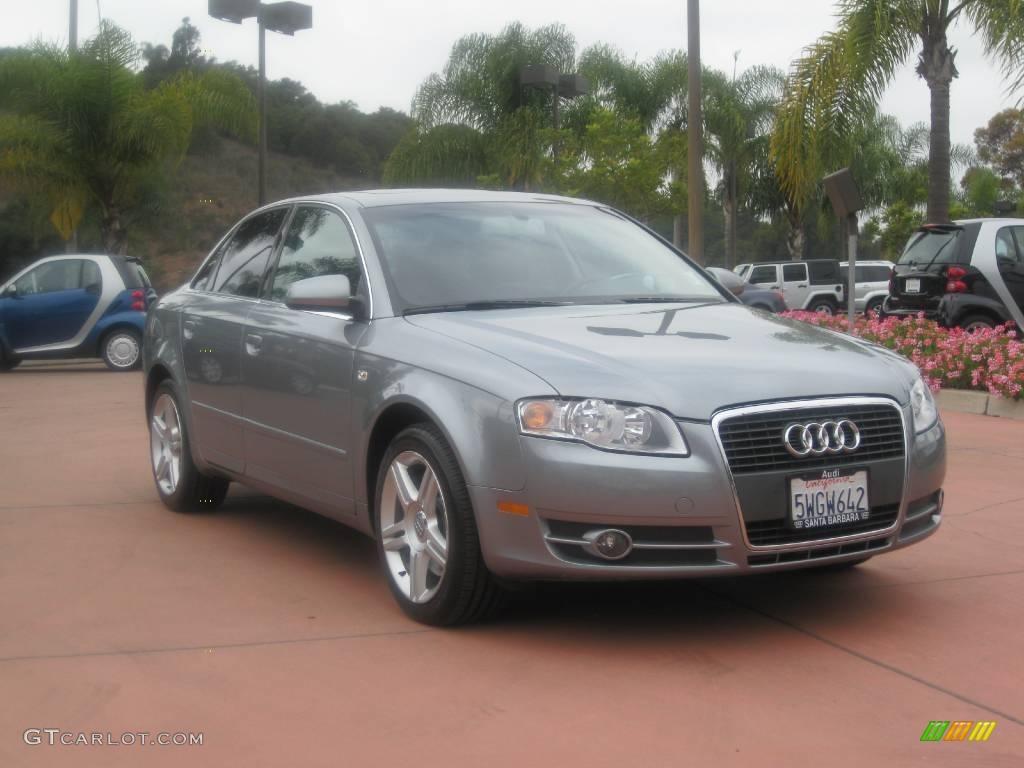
(122, 350)
(427, 538)
(180, 484)
(874, 309)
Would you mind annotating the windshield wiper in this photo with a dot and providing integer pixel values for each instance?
(472, 306)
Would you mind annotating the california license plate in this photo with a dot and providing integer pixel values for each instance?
(912, 286)
(831, 497)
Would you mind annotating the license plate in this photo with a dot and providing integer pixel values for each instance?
(912, 286)
(831, 497)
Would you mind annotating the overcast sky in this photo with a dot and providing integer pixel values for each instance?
(376, 52)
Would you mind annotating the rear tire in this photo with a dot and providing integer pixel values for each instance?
(180, 484)
(824, 307)
(427, 537)
(973, 323)
(121, 350)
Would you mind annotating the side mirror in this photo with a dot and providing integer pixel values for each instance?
(328, 293)
(728, 280)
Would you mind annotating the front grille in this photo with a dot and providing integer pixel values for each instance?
(753, 441)
(767, 533)
(778, 558)
(653, 545)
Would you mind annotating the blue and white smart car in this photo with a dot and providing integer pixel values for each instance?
(75, 306)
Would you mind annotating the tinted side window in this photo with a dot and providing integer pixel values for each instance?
(763, 275)
(204, 277)
(825, 272)
(244, 260)
(91, 276)
(877, 274)
(1006, 249)
(792, 273)
(63, 275)
(318, 243)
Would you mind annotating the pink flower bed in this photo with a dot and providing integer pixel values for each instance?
(987, 360)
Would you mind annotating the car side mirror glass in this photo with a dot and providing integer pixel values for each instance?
(328, 293)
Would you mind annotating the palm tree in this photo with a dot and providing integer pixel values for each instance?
(475, 116)
(739, 115)
(840, 78)
(82, 127)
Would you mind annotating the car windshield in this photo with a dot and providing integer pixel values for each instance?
(451, 256)
(931, 246)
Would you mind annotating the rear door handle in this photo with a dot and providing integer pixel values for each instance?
(253, 344)
(802, 285)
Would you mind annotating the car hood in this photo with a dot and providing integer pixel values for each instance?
(690, 360)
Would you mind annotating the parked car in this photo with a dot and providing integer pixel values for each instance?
(969, 274)
(520, 386)
(75, 306)
(871, 281)
(749, 294)
(815, 285)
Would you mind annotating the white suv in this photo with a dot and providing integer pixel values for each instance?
(815, 285)
(871, 285)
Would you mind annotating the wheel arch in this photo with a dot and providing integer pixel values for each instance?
(103, 333)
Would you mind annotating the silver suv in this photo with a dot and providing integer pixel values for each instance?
(871, 280)
(500, 386)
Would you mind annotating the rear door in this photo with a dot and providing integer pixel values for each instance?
(52, 303)
(795, 285)
(765, 276)
(1010, 262)
(213, 322)
(297, 370)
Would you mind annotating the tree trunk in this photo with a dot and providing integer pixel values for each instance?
(795, 236)
(729, 212)
(678, 230)
(937, 66)
(114, 235)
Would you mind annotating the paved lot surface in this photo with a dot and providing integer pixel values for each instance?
(271, 630)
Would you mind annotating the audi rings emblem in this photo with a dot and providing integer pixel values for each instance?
(830, 437)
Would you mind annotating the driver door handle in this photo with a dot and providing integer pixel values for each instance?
(253, 344)
(188, 329)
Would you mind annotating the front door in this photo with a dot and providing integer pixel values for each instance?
(211, 336)
(795, 285)
(297, 371)
(51, 303)
(1010, 261)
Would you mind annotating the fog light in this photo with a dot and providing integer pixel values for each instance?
(610, 544)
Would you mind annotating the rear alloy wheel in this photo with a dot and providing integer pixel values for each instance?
(874, 309)
(973, 323)
(427, 536)
(823, 307)
(122, 350)
(182, 487)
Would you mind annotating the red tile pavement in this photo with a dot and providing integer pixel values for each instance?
(271, 630)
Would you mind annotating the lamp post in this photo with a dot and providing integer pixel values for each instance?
(562, 86)
(286, 18)
(694, 133)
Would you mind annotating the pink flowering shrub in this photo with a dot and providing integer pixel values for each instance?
(987, 360)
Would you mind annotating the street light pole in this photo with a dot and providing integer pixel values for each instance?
(73, 27)
(262, 183)
(695, 137)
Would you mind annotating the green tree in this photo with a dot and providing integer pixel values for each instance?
(83, 127)
(477, 101)
(1001, 145)
(840, 78)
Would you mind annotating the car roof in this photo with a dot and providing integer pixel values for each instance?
(961, 222)
(374, 198)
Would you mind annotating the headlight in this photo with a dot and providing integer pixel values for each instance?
(923, 405)
(611, 426)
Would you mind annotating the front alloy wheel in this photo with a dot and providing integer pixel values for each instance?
(165, 440)
(426, 532)
(414, 527)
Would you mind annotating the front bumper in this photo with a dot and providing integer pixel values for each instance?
(683, 514)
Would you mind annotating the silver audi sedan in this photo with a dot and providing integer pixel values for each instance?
(500, 387)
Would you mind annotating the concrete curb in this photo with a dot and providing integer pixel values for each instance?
(980, 403)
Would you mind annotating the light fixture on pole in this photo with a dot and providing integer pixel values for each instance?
(543, 76)
(286, 18)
